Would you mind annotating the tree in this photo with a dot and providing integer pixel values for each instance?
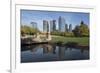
(81, 30)
(76, 31)
(84, 30)
(27, 30)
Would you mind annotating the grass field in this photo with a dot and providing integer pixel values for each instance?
(79, 40)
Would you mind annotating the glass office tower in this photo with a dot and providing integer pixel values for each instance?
(61, 23)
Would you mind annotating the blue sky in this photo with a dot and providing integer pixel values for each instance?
(74, 18)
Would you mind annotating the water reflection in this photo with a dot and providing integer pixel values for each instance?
(51, 52)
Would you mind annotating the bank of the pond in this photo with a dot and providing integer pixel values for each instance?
(60, 40)
(82, 41)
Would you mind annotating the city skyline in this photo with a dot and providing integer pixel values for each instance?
(74, 18)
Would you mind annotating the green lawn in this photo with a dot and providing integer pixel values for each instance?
(79, 40)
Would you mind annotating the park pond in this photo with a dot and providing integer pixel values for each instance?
(52, 52)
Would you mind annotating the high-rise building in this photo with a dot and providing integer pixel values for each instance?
(53, 25)
(61, 23)
(70, 28)
(34, 25)
(45, 26)
(66, 27)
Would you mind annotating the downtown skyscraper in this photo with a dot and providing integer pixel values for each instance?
(53, 25)
(34, 25)
(45, 26)
(61, 24)
(70, 28)
(66, 28)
